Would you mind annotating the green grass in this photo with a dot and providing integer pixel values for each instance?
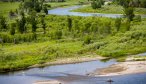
(109, 9)
(14, 57)
(5, 7)
(66, 3)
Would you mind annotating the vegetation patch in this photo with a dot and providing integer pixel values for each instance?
(108, 9)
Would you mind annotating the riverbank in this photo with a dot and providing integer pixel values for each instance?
(122, 68)
(108, 9)
(72, 60)
(48, 82)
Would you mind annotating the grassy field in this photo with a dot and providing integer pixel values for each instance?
(67, 3)
(109, 9)
(14, 57)
(5, 7)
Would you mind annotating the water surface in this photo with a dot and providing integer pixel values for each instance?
(67, 11)
(77, 70)
(71, 74)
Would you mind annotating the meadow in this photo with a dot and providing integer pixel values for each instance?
(6, 7)
(108, 9)
(67, 3)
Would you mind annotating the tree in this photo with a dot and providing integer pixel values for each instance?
(45, 9)
(21, 23)
(33, 20)
(93, 4)
(31, 5)
(118, 24)
(69, 20)
(129, 13)
(43, 23)
(128, 6)
(37, 6)
(96, 4)
(12, 30)
(34, 24)
(3, 23)
(143, 3)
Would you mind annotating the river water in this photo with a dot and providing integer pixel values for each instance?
(70, 74)
(78, 70)
(67, 11)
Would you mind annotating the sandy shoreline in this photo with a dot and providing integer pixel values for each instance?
(48, 82)
(122, 68)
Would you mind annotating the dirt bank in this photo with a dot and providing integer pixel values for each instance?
(72, 60)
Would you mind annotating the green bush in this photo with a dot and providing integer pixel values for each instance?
(118, 24)
(87, 39)
(137, 18)
(96, 4)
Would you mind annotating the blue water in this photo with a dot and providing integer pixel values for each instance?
(70, 74)
(53, 72)
(67, 11)
(142, 54)
(124, 79)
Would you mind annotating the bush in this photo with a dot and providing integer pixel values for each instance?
(118, 24)
(12, 30)
(137, 18)
(96, 4)
(18, 38)
(129, 13)
(87, 39)
(57, 34)
(47, 5)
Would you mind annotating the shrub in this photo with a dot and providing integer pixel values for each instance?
(87, 39)
(118, 24)
(137, 18)
(12, 30)
(129, 13)
(96, 4)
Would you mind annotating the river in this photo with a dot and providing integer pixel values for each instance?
(67, 11)
(70, 74)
